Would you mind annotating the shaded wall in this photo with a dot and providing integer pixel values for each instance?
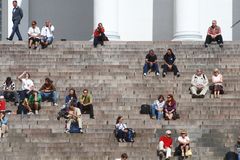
(73, 19)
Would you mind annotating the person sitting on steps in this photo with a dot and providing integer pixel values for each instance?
(35, 100)
(9, 92)
(165, 145)
(151, 63)
(214, 34)
(217, 80)
(33, 35)
(3, 124)
(169, 59)
(157, 108)
(99, 36)
(85, 103)
(74, 115)
(123, 133)
(27, 85)
(199, 84)
(48, 91)
(71, 98)
(169, 110)
(184, 143)
(47, 34)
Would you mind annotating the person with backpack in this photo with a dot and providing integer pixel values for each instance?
(123, 133)
(199, 84)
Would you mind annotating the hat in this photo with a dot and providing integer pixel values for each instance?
(183, 131)
(1, 97)
(168, 132)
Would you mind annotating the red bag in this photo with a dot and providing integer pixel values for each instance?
(2, 105)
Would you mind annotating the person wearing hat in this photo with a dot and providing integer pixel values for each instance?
(165, 144)
(237, 147)
(217, 80)
(184, 142)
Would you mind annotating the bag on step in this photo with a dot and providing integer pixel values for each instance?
(145, 109)
(74, 128)
(189, 153)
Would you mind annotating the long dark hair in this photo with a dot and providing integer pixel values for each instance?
(74, 93)
(8, 81)
(118, 119)
(48, 80)
(160, 96)
(169, 49)
(172, 101)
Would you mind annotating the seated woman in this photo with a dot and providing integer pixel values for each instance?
(99, 35)
(71, 98)
(184, 143)
(123, 133)
(35, 100)
(9, 92)
(24, 107)
(169, 110)
(48, 92)
(217, 80)
(157, 108)
(33, 35)
(3, 124)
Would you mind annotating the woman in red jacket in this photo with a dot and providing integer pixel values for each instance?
(99, 35)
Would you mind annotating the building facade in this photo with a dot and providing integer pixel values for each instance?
(127, 20)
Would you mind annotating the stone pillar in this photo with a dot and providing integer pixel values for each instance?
(187, 20)
(106, 12)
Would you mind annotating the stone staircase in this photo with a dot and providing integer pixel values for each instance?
(114, 75)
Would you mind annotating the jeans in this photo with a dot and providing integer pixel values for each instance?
(15, 29)
(209, 39)
(154, 67)
(52, 96)
(174, 69)
(155, 112)
(98, 40)
(239, 156)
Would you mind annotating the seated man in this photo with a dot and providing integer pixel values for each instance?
(199, 83)
(214, 34)
(74, 115)
(151, 63)
(47, 34)
(9, 92)
(169, 65)
(3, 124)
(35, 100)
(48, 91)
(99, 35)
(86, 103)
(165, 145)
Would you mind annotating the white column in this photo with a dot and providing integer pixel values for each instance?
(23, 27)
(106, 12)
(187, 20)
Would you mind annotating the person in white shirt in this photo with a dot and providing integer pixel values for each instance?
(74, 115)
(199, 84)
(27, 85)
(157, 108)
(217, 80)
(33, 35)
(47, 34)
(123, 132)
(184, 142)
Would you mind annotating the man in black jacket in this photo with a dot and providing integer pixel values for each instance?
(17, 15)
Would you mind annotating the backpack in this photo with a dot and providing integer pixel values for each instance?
(145, 109)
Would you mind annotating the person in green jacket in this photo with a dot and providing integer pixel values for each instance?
(35, 100)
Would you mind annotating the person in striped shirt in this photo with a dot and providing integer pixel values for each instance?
(8, 90)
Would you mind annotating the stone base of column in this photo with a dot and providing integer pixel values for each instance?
(187, 36)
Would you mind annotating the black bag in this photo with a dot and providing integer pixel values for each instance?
(145, 109)
(21, 109)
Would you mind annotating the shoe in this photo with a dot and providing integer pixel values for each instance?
(221, 45)
(178, 74)
(81, 131)
(36, 112)
(30, 113)
(55, 104)
(157, 74)
(145, 74)
(8, 39)
(201, 96)
(206, 45)
(194, 96)
(35, 47)
(92, 117)
(164, 74)
(67, 131)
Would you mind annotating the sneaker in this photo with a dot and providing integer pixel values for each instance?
(201, 96)
(221, 45)
(206, 45)
(30, 113)
(92, 117)
(67, 131)
(178, 74)
(164, 74)
(36, 112)
(55, 104)
(145, 74)
(194, 96)
(157, 74)
(81, 131)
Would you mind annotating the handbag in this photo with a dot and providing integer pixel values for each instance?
(189, 153)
